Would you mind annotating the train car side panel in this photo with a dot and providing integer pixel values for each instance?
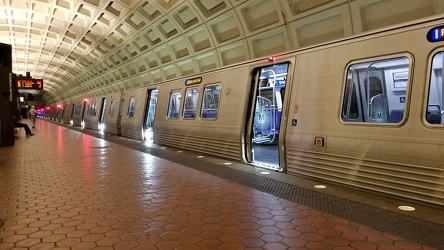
(402, 157)
(79, 110)
(111, 113)
(220, 136)
(132, 116)
(92, 114)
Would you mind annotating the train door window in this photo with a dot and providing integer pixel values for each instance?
(174, 104)
(375, 91)
(435, 102)
(93, 111)
(95, 108)
(131, 106)
(88, 109)
(112, 107)
(190, 103)
(78, 109)
(210, 102)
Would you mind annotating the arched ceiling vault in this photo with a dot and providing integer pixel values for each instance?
(93, 47)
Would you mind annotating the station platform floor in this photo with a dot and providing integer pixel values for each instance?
(68, 188)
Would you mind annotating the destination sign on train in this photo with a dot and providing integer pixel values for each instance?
(436, 34)
(29, 83)
(196, 80)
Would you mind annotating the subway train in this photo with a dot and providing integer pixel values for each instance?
(365, 112)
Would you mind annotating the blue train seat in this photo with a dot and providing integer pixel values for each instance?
(209, 113)
(433, 115)
(396, 115)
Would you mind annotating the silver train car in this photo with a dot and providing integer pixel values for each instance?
(365, 112)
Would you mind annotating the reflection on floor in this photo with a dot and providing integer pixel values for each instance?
(62, 189)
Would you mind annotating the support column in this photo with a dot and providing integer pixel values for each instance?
(6, 97)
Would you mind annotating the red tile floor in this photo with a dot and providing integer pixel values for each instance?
(62, 189)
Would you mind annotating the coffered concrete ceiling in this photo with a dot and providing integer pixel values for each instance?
(93, 47)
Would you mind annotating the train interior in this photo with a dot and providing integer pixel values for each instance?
(270, 91)
(435, 102)
(376, 91)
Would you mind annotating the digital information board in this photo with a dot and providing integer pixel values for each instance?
(29, 83)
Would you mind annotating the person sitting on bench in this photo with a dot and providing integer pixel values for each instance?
(19, 124)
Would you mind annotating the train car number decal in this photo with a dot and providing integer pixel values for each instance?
(436, 34)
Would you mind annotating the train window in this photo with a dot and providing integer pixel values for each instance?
(89, 109)
(350, 99)
(210, 102)
(95, 109)
(92, 109)
(173, 107)
(435, 102)
(190, 103)
(78, 109)
(112, 107)
(375, 91)
(131, 106)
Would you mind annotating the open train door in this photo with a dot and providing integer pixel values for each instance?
(72, 114)
(150, 112)
(102, 113)
(82, 121)
(119, 118)
(265, 117)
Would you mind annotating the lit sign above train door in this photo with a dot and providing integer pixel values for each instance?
(436, 34)
(196, 80)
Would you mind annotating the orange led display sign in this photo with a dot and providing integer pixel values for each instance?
(29, 83)
(38, 83)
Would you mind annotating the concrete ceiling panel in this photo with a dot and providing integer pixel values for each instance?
(70, 43)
